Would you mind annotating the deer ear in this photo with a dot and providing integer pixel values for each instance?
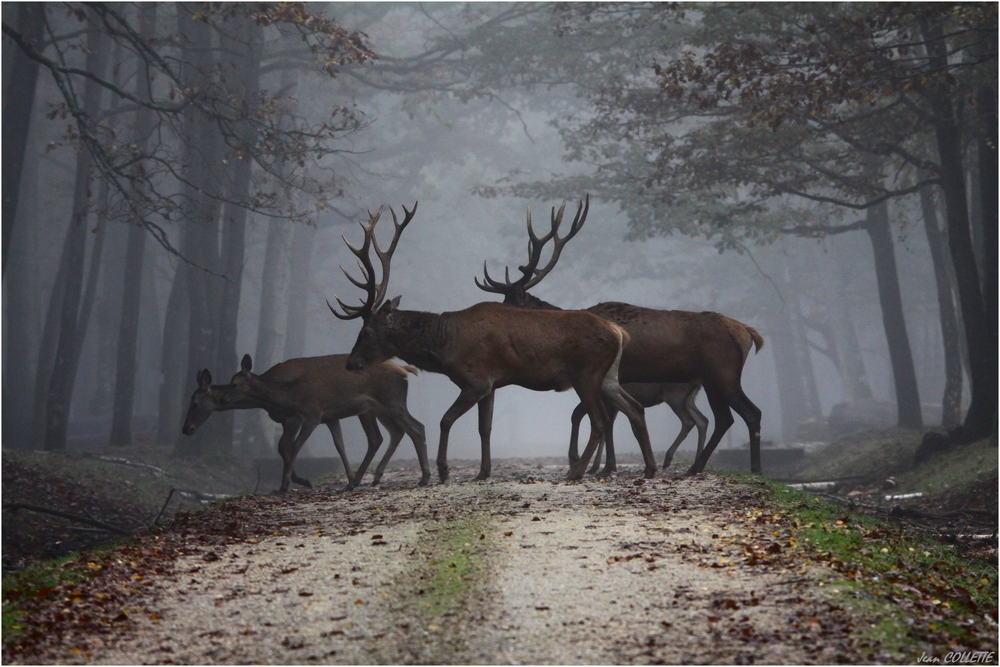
(247, 364)
(204, 379)
(394, 302)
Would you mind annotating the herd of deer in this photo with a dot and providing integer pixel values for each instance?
(617, 357)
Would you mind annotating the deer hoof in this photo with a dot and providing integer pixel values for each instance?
(650, 473)
(424, 481)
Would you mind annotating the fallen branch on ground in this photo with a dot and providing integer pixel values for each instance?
(65, 515)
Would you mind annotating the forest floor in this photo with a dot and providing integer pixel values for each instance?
(522, 568)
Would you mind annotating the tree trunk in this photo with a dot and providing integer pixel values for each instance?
(108, 312)
(808, 381)
(173, 359)
(787, 371)
(20, 308)
(989, 177)
(298, 313)
(201, 204)
(980, 338)
(19, 101)
(951, 401)
(71, 317)
(903, 373)
(128, 332)
(245, 47)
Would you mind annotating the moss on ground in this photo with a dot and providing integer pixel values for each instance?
(919, 593)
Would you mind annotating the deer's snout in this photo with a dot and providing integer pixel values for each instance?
(355, 364)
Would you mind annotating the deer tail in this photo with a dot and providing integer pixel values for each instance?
(758, 340)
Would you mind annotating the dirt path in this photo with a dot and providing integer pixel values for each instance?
(523, 568)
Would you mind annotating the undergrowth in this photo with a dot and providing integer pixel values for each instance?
(926, 596)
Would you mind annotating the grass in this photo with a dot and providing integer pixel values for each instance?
(33, 582)
(921, 593)
(872, 455)
(455, 566)
(952, 471)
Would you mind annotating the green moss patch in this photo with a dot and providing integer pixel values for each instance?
(920, 595)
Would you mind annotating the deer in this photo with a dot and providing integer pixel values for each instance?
(488, 346)
(703, 349)
(679, 397)
(302, 393)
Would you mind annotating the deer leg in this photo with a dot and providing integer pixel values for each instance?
(368, 423)
(338, 442)
(415, 430)
(485, 427)
(683, 412)
(723, 420)
(610, 461)
(597, 457)
(574, 453)
(751, 415)
(598, 419)
(469, 397)
(293, 451)
(636, 415)
(395, 437)
(289, 429)
(699, 419)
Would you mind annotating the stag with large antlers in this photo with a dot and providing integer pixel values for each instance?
(667, 346)
(301, 394)
(489, 346)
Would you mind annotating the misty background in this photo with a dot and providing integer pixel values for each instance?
(454, 114)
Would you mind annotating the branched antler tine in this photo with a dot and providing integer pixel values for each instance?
(558, 242)
(354, 281)
(488, 284)
(351, 312)
(367, 273)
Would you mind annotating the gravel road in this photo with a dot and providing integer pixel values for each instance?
(523, 568)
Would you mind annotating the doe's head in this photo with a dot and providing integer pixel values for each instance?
(203, 403)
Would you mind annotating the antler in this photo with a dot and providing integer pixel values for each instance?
(530, 274)
(375, 293)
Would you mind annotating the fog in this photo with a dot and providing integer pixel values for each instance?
(445, 144)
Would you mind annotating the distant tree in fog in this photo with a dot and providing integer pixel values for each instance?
(219, 151)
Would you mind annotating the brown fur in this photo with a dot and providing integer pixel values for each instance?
(668, 346)
(490, 345)
(302, 393)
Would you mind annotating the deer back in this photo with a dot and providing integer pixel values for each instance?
(675, 345)
(537, 349)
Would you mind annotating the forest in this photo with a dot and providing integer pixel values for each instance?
(176, 180)
(179, 181)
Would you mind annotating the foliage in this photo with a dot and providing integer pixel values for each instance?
(259, 130)
(936, 600)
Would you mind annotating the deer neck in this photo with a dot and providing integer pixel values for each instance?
(523, 299)
(219, 395)
(418, 338)
(266, 394)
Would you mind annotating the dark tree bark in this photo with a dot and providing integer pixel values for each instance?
(71, 316)
(298, 282)
(128, 332)
(18, 103)
(980, 337)
(21, 312)
(201, 194)
(173, 359)
(244, 46)
(903, 373)
(951, 401)
(988, 183)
